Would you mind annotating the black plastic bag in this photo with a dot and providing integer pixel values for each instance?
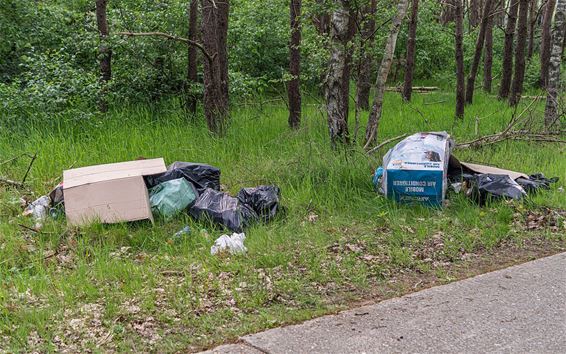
(486, 186)
(202, 176)
(223, 209)
(264, 200)
(536, 182)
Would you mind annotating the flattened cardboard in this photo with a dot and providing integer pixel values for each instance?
(109, 193)
(455, 164)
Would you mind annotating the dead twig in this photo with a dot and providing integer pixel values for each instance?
(374, 149)
(10, 182)
(29, 167)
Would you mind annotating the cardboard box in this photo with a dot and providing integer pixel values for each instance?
(109, 193)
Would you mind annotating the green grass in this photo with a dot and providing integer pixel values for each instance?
(129, 287)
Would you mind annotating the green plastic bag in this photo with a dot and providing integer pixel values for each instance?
(171, 197)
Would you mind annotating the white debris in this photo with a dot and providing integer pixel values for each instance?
(233, 244)
(39, 209)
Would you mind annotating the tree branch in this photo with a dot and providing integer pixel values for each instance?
(374, 149)
(208, 56)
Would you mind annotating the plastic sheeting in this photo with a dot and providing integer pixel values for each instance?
(264, 200)
(415, 170)
(233, 244)
(486, 186)
(202, 176)
(223, 209)
(171, 197)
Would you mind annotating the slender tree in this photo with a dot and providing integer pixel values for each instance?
(448, 13)
(545, 41)
(488, 54)
(411, 44)
(459, 51)
(477, 54)
(293, 88)
(532, 26)
(337, 77)
(377, 106)
(214, 32)
(366, 59)
(507, 69)
(474, 13)
(104, 53)
(192, 64)
(517, 86)
(551, 115)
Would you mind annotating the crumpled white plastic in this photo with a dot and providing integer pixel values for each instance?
(233, 244)
(38, 209)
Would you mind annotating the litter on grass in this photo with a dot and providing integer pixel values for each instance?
(39, 210)
(421, 167)
(233, 244)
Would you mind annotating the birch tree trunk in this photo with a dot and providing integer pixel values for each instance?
(411, 44)
(507, 65)
(293, 88)
(377, 106)
(214, 32)
(545, 41)
(366, 59)
(104, 53)
(192, 74)
(477, 54)
(337, 78)
(459, 51)
(551, 114)
(532, 25)
(517, 86)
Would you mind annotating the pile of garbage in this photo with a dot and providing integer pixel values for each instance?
(144, 189)
(421, 169)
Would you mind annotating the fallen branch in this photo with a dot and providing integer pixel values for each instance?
(374, 149)
(10, 182)
(208, 56)
(415, 89)
(513, 135)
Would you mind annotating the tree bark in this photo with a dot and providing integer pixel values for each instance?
(551, 115)
(545, 41)
(104, 53)
(517, 86)
(411, 44)
(459, 50)
(321, 20)
(477, 54)
(293, 87)
(192, 64)
(366, 59)
(532, 25)
(337, 78)
(377, 106)
(507, 66)
(448, 13)
(474, 13)
(488, 54)
(214, 32)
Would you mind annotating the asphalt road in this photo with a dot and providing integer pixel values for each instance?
(521, 309)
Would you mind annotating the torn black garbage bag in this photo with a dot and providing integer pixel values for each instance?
(223, 209)
(264, 200)
(536, 182)
(202, 176)
(489, 185)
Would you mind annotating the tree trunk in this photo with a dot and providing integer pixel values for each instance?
(474, 13)
(337, 78)
(321, 20)
(104, 53)
(192, 64)
(532, 25)
(477, 54)
(551, 115)
(459, 39)
(545, 41)
(366, 59)
(517, 86)
(214, 32)
(293, 88)
(488, 54)
(507, 67)
(448, 13)
(377, 106)
(411, 43)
